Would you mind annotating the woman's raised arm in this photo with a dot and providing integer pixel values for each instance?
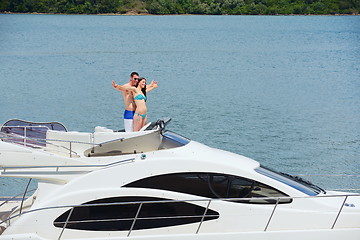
(151, 86)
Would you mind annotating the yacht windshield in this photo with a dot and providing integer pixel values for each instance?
(173, 140)
(292, 181)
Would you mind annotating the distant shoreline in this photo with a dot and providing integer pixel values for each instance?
(148, 14)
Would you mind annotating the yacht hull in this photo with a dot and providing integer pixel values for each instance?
(333, 234)
(155, 185)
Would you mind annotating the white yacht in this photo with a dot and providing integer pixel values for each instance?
(156, 184)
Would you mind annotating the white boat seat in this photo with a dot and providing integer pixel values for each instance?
(59, 142)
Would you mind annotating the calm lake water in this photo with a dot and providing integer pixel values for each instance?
(284, 90)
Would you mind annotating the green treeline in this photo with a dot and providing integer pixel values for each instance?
(212, 7)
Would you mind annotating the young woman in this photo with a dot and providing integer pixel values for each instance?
(139, 94)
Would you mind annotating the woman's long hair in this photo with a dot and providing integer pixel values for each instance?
(143, 89)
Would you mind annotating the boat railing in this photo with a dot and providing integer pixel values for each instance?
(201, 216)
(87, 144)
(22, 135)
(67, 168)
(16, 197)
(26, 138)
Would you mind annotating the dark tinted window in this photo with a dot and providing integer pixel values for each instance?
(213, 185)
(118, 214)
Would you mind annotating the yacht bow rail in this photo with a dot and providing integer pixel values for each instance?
(201, 216)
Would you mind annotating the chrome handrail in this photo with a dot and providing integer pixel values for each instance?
(337, 216)
(272, 214)
(10, 199)
(58, 167)
(203, 217)
(25, 130)
(16, 196)
(18, 126)
(49, 141)
(136, 217)
(141, 203)
(23, 198)
(67, 221)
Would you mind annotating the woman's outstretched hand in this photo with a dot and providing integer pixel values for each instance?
(154, 84)
(114, 84)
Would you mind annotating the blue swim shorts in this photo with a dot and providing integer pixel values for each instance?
(129, 114)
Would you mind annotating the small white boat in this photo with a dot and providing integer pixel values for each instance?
(156, 184)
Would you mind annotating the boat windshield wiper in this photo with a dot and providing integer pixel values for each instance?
(302, 180)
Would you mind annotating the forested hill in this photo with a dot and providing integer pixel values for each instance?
(212, 7)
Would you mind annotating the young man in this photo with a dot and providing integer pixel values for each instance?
(129, 102)
(128, 96)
